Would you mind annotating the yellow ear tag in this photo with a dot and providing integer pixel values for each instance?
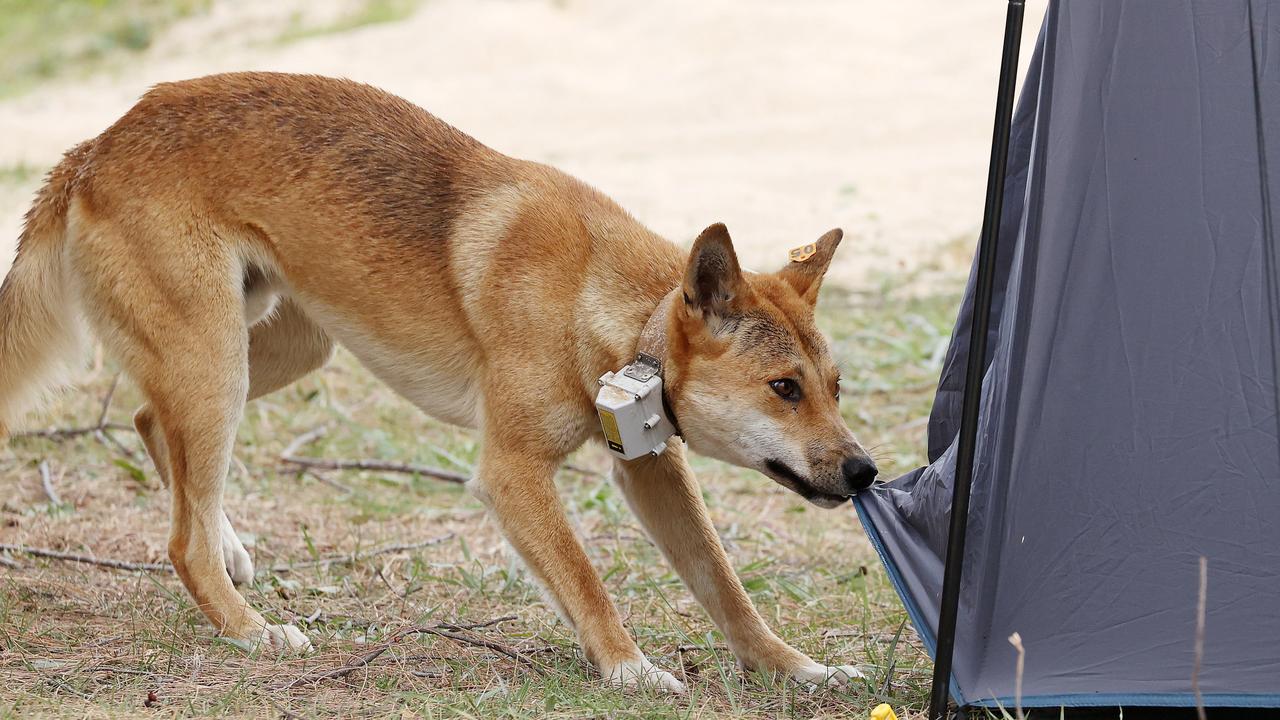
(802, 253)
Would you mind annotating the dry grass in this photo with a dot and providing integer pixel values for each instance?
(84, 641)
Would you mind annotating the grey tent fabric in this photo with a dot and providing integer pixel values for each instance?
(1130, 417)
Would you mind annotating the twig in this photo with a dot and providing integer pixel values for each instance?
(382, 576)
(101, 430)
(440, 629)
(121, 670)
(478, 625)
(104, 436)
(55, 433)
(46, 482)
(482, 642)
(357, 557)
(290, 456)
(87, 559)
(1016, 641)
(469, 467)
(59, 684)
(583, 470)
(1200, 613)
(302, 441)
(321, 477)
(166, 567)
(285, 713)
(681, 649)
(379, 466)
(10, 563)
(106, 401)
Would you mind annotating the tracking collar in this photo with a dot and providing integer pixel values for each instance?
(635, 414)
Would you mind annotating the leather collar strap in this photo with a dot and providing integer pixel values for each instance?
(651, 348)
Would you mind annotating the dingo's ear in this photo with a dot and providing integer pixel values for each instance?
(809, 263)
(713, 279)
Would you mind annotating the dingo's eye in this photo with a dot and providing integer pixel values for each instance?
(787, 389)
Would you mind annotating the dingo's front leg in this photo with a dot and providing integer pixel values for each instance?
(664, 495)
(517, 484)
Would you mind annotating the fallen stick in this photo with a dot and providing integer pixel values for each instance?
(87, 559)
(477, 625)
(321, 477)
(166, 567)
(46, 482)
(439, 629)
(105, 437)
(55, 433)
(378, 466)
(306, 438)
(290, 456)
(681, 649)
(106, 401)
(101, 431)
(357, 557)
(302, 441)
(583, 470)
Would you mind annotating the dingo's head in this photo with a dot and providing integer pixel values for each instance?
(752, 381)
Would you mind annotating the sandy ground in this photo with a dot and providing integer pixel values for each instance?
(780, 119)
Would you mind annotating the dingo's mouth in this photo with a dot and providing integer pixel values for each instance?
(780, 473)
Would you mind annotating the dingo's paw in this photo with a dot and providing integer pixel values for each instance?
(285, 639)
(642, 673)
(829, 675)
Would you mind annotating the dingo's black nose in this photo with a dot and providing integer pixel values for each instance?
(859, 473)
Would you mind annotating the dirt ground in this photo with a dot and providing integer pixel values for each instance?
(780, 119)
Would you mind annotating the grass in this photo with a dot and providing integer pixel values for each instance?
(41, 40)
(78, 640)
(362, 14)
(19, 174)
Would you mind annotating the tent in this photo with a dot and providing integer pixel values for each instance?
(1128, 422)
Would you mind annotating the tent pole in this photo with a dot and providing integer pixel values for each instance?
(975, 365)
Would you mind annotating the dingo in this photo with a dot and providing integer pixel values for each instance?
(227, 232)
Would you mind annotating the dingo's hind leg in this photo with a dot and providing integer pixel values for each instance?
(282, 348)
(173, 314)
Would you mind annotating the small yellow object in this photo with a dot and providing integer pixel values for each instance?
(802, 253)
(883, 712)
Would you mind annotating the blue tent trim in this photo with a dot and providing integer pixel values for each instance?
(923, 628)
(1134, 700)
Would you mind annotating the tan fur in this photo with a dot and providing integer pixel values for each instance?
(227, 232)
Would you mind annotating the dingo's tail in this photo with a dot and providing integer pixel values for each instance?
(40, 326)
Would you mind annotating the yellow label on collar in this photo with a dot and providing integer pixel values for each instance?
(802, 253)
(610, 426)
